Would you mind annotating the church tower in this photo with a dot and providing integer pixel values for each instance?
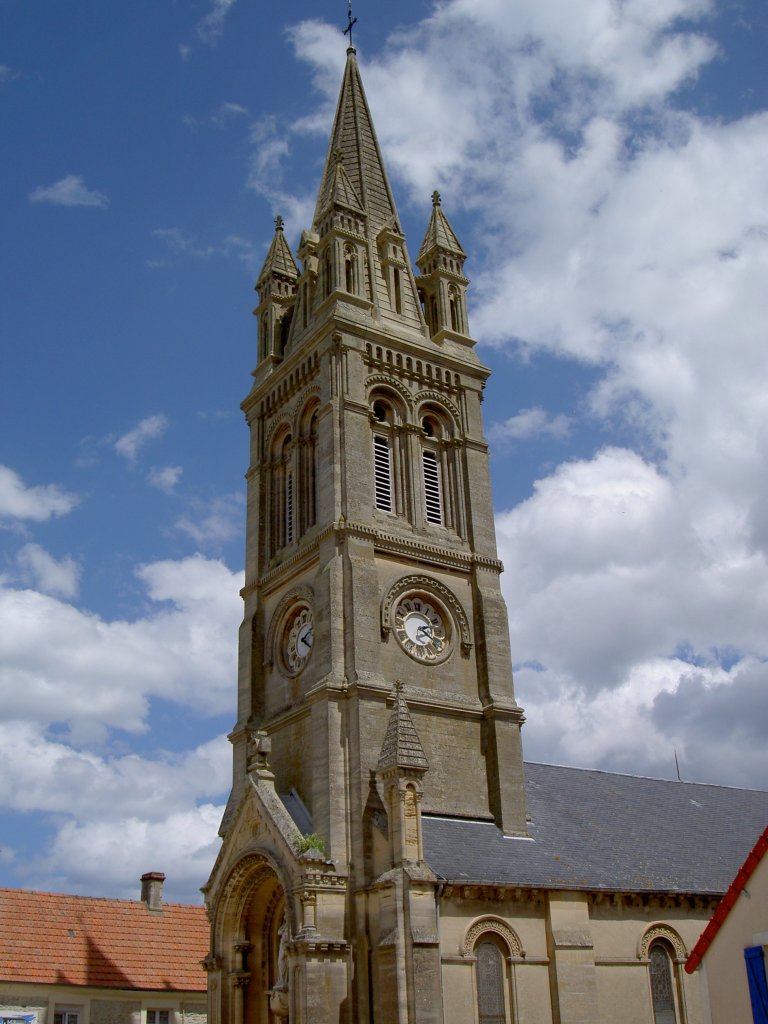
(375, 683)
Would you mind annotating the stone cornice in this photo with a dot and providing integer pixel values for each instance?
(619, 898)
(416, 550)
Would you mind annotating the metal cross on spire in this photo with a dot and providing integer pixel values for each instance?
(350, 22)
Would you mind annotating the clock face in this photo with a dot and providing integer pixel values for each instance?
(299, 638)
(420, 629)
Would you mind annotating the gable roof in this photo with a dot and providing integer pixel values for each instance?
(723, 908)
(53, 939)
(602, 831)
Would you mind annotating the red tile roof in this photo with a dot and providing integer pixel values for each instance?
(54, 939)
(724, 906)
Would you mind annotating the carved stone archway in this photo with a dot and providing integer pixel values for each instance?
(252, 931)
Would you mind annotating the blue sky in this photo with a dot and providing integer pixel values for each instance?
(606, 176)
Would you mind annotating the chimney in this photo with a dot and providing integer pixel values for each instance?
(152, 889)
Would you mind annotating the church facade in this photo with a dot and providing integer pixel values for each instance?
(387, 857)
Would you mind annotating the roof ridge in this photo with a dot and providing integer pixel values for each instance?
(93, 899)
(649, 778)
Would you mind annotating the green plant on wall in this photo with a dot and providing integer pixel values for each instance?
(311, 841)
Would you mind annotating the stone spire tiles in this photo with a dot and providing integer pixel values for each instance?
(353, 143)
(439, 234)
(279, 260)
(402, 747)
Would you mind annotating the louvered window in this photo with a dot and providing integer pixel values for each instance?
(289, 507)
(382, 471)
(432, 495)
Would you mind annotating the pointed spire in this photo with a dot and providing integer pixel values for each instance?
(402, 747)
(353, 143)
(279, 258)
(439, 234)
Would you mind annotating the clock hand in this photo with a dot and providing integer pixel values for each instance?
(424, 631)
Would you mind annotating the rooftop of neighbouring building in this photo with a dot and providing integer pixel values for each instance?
(54, 939)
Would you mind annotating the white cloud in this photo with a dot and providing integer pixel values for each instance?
(149, 429)
(113, 813)
(621, 230)
(61, 664)
(165, 478)
(58, 578)
(17, 501)
(186, 842)
(7, 74)
(211, 27)
(69, 191)
(212, 523)
(530, 423)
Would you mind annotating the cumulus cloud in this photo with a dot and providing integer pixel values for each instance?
(69, 191)
(619, 229)
(149, 429)
(37, 503)
(70, 681)
(530, 423)
(165, 478)
(114, 812)
(61, 664)
(210, 524)
(60, 578)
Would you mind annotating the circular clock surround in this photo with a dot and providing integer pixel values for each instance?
(422, 627)
(296, 639)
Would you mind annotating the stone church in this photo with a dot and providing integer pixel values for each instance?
(387, 856)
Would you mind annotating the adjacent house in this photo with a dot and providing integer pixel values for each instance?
(732, 948)
(83, 960)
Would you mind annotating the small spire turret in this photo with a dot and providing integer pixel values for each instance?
(442, 283)
(276, 288)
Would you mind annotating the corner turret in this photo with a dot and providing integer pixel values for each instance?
(276, 288)
(442, 284)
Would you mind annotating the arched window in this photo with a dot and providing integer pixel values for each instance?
(398, 291)
(307, 499)
(263, 336)
(437, 469)
(662, 977)
(382, 457)
(351, 283)
(327, 273)
(454, 302)
(489, 977)
(391, 481)
(281, 519)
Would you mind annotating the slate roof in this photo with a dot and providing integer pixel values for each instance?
(53, 939)
(723, 909)
(602, 831)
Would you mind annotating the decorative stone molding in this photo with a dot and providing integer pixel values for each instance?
(442, 401)
(384, 380)
(662, 931)
(436, 590)
(491, 924)
(299, 595)
(211, 963)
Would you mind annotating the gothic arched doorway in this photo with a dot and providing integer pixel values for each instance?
(253, 932)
